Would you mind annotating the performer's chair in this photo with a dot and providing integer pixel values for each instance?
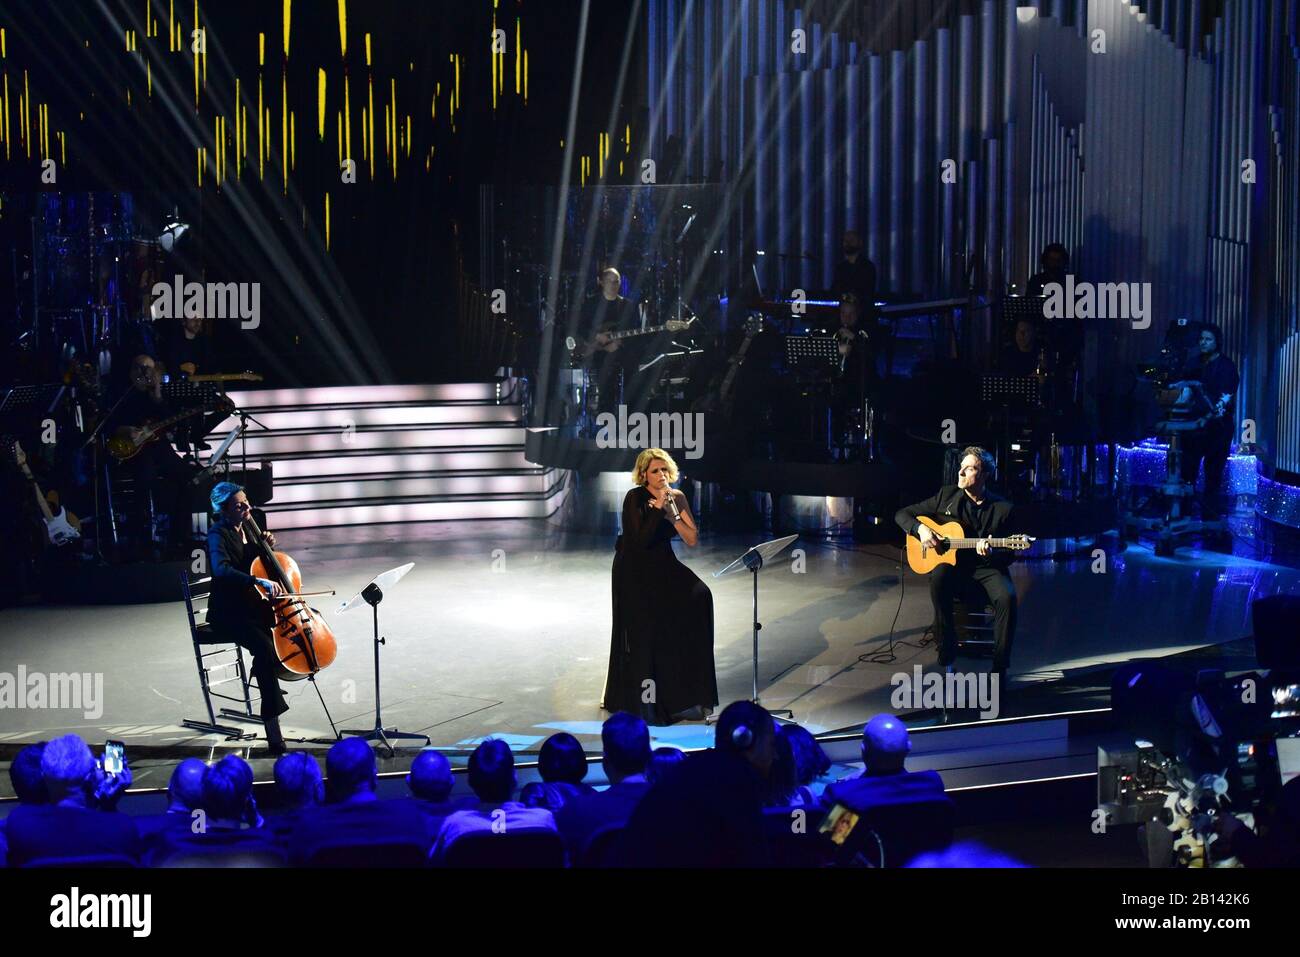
(973, 621)
(222, 659)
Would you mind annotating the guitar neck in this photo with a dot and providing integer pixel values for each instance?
(40, 496)
(167, 423)
(972, 542)
(631, 333)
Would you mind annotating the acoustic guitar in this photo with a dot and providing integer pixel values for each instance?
(924, 559)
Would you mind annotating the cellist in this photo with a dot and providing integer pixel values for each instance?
(230, 613)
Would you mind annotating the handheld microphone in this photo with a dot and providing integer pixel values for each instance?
(671, 503)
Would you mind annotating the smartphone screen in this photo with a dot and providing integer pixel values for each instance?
(113, 760)
(839, 824)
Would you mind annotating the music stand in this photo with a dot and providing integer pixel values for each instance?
(1010, 390)
(754, 559)
(812, 351)
(372, 595)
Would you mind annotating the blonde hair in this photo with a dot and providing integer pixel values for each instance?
(643, 465)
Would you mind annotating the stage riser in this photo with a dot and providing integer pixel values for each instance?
(368, 395)
(286, 520)
(317, 419)
(367, 455)
(332, 438)
(376, 464)
(312, 492)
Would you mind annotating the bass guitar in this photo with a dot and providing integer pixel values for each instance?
(607, 341)
(924, 559)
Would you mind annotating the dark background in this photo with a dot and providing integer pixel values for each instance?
(379, 305)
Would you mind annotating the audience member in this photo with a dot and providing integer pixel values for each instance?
(28, 785)
(709, 811)
(76, 822)
(184, 794)
(810, 761)
(966, 854)
(781, 788)
(662, 761)
(884, 779)
(299, 787)
(562, 764)
(430, 782)
(25, 775)
(625, 747)
(227, 832)
(492, 779)
(354, 816)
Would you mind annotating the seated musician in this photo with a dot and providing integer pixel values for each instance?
(156, 468)
(1021, 357)
(982, 514)
(233, 610)
(1219, 379)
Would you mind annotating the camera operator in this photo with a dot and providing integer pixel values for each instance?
(1277, 844)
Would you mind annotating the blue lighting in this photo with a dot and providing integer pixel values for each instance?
(1278, 502)
(1144, 464)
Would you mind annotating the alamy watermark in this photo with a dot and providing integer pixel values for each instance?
(57, 691)
(956, 690)
(208, 300)
(1106, 300)
(641, 430)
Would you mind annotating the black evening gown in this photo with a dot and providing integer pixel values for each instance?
(663, 622)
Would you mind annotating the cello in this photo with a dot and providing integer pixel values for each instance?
(304, 643)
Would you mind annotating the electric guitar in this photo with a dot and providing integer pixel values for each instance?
(587, 348)
(126, 443)
(924, 559)
(62, 528)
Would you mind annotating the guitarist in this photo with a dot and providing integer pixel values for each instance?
(982, 514)
(605, 313)
(157, 467)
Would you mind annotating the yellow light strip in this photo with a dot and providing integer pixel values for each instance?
(320, 103)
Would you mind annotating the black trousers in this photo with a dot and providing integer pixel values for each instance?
(257, 641)
(948, 582)
(1212, 445)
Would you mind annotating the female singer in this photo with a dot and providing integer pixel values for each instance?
(661, 653)
(230, 611)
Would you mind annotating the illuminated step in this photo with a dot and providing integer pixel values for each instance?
(344, 441)
(355, 490)
(371, 394)
(443, 511)
(388, 464)
(335, 419)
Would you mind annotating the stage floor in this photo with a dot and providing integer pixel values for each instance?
(503, 629)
